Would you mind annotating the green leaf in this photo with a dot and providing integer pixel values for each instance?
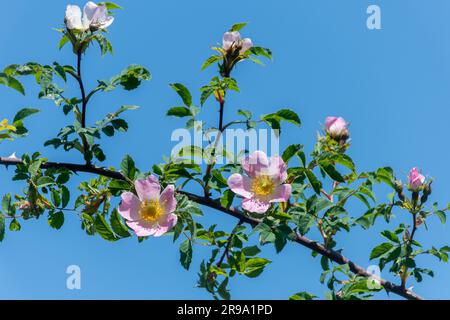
(227, 198)
(14, 225)
(390, 236)
(56, 220)
(289, 115)
(65, 196)
(44, 181)
(110, 5)
(380, 250)
(56, 199)
(302, 296)
(118, 227)
(186, 253)
(128, 167)
(222, 290)
(255, 266)
(12, 83)
(305, 222)
(442, 216)
(131, 77)
(6, 203)
(238, 26)
(183, 92)
(2, 227)
(64, 40)
(291, 151)
(331, 171)
(315, 183)
(103, 229)
(259, 51)
(179, 112)
(251, 251)
(210, 61)
(23, 113)
(283, 114)
(246, 113)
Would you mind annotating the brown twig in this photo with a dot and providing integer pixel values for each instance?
(333, 255)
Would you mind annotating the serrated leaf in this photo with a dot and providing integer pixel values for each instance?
(183, 92)
(103, 229)
(56, 220)
(380, 250)
(23, 113)
(179, 112)
(128, 167)
(291, 151)
(186, 253)
(210, 61)
(315, 183)
(118, 227)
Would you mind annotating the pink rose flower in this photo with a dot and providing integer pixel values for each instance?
(151, 212)
(336, 127)
(232, 40)
(415, 179)
(263, 183)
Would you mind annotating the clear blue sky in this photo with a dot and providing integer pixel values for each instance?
(393, 85)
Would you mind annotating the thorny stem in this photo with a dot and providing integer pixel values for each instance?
(409, 241)
(228, 246)
(335, 256)
(84, 102)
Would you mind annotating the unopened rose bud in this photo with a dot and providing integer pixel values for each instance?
(416, 180)
(426, 192)
(337, 129)
(398, 186)
(419, 221)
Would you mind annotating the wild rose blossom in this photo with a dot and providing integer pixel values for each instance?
(415, 179)
(232, 41)
(263, 183)
(150, 213)
(94, 17)
(337, 128)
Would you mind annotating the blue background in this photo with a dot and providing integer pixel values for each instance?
(393, 85)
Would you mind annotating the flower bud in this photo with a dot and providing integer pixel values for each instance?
(233, 43)
(337, 129)
(426, 193)
(415, 180)
(398, 186)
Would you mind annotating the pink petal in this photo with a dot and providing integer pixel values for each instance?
(278, 169)
(73, 17)
(167, 199)
(108, 21)
(329, 121)
(246, 45)
(335, 125)
(142, 228)
(255, 163)
(89, 10)
(129, 206)
(240, 185)
(229, 38)
(148, 189)
(166, 225)
(255, 205)
(282, 193)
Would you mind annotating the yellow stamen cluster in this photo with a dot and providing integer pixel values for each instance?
(263, 185)
(151, 210)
